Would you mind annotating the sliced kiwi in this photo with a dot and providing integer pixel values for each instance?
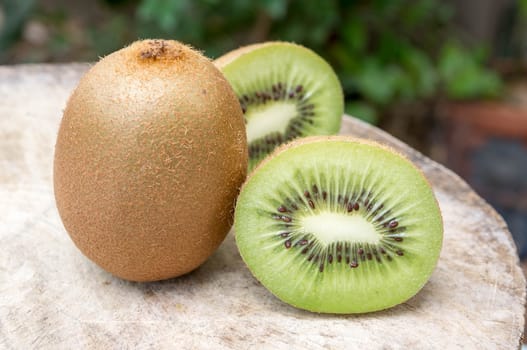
(339, 225)
(286, 91)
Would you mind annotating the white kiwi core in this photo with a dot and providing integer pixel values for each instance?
(331, 227)
(264, 119)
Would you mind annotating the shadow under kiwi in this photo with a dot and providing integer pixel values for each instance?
(225, 259)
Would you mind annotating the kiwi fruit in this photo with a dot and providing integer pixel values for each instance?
(285, 91)
(333, 224)
(149, 159)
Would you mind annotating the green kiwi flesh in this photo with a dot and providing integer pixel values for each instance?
(285, 91)
(339, 225)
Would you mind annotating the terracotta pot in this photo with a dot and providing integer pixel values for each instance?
(469, 125)
(486, 143)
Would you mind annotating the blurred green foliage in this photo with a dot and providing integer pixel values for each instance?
(384, 51)
(18, 11)
(512, 37)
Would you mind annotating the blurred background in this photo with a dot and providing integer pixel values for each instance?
(447, 77)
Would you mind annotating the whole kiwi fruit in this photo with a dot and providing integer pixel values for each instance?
(150, 155)
(335, 224)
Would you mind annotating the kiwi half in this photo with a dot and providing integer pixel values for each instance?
(285, 91)
(339, 225)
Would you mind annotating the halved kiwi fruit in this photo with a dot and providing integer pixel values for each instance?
(285, 91)
(339, 225)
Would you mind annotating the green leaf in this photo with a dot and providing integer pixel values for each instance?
(452, 61)
(421, 71)
(362, 110)
(464, 77)
(354, 35)
(391, 47)
(275, 8)
(165, 13)
(16, 12)
(474, 83)
(378, 83)
(522, 5)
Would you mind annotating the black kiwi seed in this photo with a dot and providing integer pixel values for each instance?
(315, 198)
(393, 224)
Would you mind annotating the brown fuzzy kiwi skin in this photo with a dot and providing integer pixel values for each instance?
(149, 159)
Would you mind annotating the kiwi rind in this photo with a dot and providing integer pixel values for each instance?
(279, 68)
(353, 295)
(149, 158)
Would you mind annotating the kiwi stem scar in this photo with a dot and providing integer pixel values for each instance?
(331, 227)
(264, 119)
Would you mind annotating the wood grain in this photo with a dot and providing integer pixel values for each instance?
(52, 297)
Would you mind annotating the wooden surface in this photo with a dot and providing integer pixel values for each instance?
(51, 297)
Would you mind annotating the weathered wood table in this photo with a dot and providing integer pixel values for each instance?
(51, 297)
